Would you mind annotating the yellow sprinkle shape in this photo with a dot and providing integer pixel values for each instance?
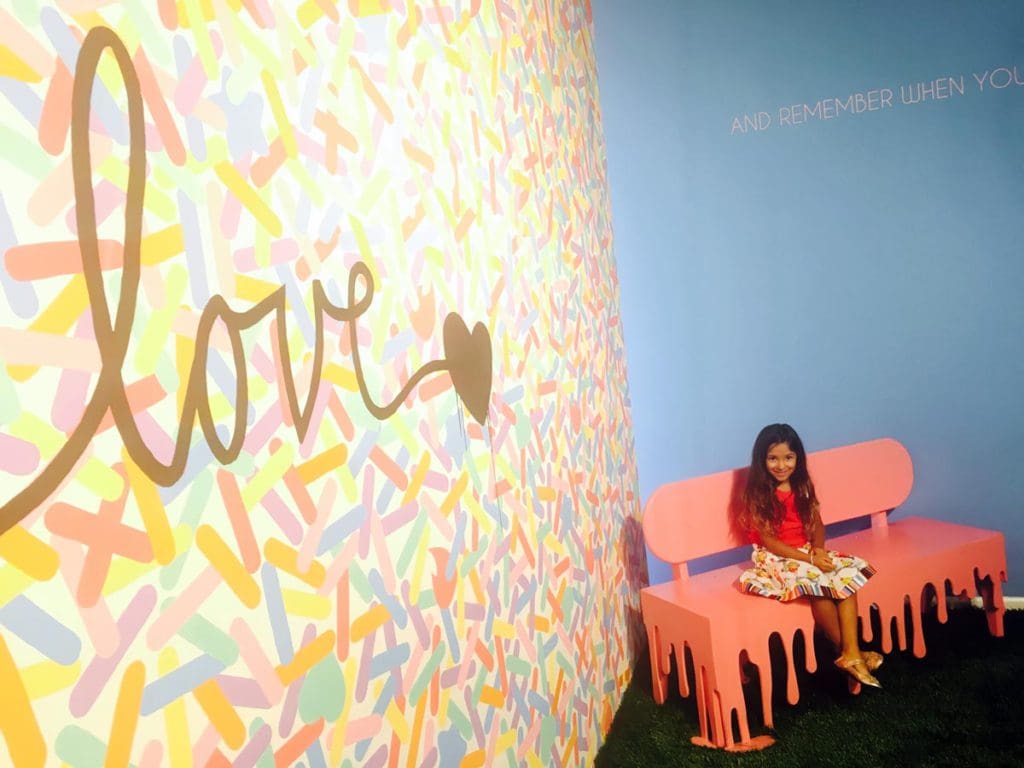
(348, 484)
(184, 353)
(284, 126)
(494, 140)
(310, 12)
(520, 180)
(124, 572)
(57, 318)
(504, 629)
(306, 181)
(221, 714)
(306, 605)
(228, 566)
(322, 463)
(162, 245)
(307, 657)
(474, 582)
(100, 479)
(417, 478)
(205, 6)
(126, 716)
(197, 18)
(546, 493)
(505, 741)
(179, 746)
(485, 523)
(13, 581)
(454, 494)
(372, 190)
(30, 555)
(285, 558)
(398, 724)
(18, 722)
(259, 50)
(369, 7)
(454, 58)
(115, 171)
(343, 377)
(268, 475)
(363, 243)
(151, 508)
(153, 343)
(30, 428)
(49, 677)
(368, 622)
(252, 289)
(417, 569)
(12, 66)
(248, 197)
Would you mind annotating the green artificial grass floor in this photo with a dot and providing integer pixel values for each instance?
(961, 705)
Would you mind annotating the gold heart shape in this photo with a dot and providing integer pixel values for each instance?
(469, 363)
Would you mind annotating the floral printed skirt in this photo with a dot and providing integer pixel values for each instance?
(785, 579)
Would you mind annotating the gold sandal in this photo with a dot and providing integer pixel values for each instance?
(872, 659)
(858, 670)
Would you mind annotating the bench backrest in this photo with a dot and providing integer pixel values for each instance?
(697, 517)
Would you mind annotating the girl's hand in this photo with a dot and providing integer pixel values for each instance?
(820, 559)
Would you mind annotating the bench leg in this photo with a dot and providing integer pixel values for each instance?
(744, 721)
(992, 598)
(659, 679)
(745, 743)
(716, 715)
(765, 674)
(705, 707)
(721, 724)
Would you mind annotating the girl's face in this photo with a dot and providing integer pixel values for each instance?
(781, 463)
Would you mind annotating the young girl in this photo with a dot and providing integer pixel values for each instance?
(780, 515)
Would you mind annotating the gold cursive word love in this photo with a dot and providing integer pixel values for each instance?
(467, 356)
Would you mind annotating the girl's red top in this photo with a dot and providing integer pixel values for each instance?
(791, 529)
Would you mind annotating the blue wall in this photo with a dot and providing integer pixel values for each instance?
(858, 277)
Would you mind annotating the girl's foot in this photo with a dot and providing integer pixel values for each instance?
(858, 670)
(872, 659)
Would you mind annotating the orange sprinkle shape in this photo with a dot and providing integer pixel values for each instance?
(55, 118)
(222, 715)
(292, 749)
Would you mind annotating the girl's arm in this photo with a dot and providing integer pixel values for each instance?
(780, 548)
(818, 537)
(819, 555)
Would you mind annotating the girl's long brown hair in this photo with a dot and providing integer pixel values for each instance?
(761, 508)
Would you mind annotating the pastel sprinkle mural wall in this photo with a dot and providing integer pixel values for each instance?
(211, 208)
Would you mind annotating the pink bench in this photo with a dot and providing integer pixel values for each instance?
(710, 616)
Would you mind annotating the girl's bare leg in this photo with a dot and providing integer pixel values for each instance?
(838, 620)
(847, 610)
(826, 616)
(851, 660)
